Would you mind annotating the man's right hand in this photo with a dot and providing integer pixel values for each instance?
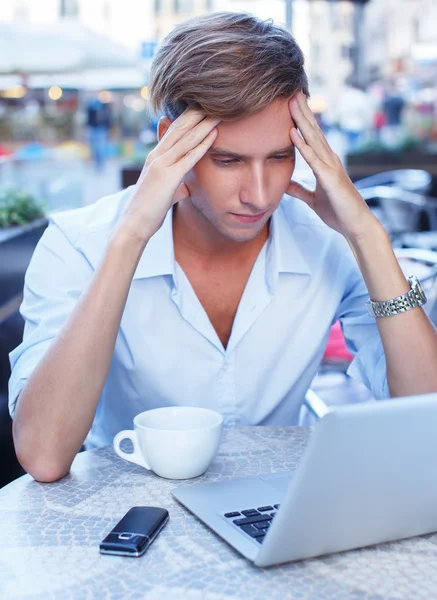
(159, 185)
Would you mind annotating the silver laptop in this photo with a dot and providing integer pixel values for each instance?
(368, 475)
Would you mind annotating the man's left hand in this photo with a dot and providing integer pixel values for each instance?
(335, 200)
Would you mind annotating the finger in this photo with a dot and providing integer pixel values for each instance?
(308, 132)
(308, 153)
(190, 140)
(193, 156)
(302, 101)
(298, 191)
(309, 127)
(309, 115)
(180, 126)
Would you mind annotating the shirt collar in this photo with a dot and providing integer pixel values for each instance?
(158, 256)
(283, 252)
(284, 255)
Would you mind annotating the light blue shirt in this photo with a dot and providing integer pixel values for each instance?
(167, 352)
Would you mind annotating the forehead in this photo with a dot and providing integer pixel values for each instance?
(260, 133)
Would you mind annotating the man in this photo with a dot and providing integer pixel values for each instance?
(393, 105)
(99, 124)
(199, 286)
(354, 111)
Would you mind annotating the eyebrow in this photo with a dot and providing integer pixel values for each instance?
(223, 152)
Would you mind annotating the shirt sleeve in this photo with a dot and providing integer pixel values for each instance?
(363, 339)
(54, 281)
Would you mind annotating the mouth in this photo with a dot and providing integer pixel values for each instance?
(249, 218)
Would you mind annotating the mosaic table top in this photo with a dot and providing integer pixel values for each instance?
(50, 534)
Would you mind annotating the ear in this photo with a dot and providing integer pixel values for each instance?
(163, 125)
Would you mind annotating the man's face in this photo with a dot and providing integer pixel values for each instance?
(239, 182)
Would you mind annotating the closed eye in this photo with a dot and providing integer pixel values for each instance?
(232, 161)
(225, 161)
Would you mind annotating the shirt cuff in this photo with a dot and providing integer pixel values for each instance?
(369, 366)
(22, 369)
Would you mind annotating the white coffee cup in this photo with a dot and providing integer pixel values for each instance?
(174, 442)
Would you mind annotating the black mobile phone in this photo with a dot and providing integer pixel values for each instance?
(135, 532)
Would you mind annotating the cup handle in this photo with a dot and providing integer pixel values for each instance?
(135, 456)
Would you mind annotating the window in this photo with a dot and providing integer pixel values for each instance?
(318, 80)
(107, 11)
(21, 11)
(315, 51)
(347, 51)
(183, 6)
(69, 8)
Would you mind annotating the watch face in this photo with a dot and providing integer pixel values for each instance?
(417, 289)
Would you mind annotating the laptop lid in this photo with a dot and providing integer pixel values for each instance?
(368, 475)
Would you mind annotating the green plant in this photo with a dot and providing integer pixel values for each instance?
(408, 142)
(370, 146)
(139, 156)
(18, 207)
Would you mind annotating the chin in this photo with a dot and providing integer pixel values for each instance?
(246, 235)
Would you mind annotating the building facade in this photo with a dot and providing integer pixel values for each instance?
(330, 56)
(401, 39)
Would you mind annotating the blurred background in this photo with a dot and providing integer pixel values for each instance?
(75, 126)
(74, 95)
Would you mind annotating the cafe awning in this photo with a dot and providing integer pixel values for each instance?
(27, 49)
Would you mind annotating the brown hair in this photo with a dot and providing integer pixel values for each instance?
(227, 65)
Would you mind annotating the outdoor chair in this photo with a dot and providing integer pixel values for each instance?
(413, 261)
(410, 218)
(413, 180)
(420, 239)
(401, 212)
(11, 333)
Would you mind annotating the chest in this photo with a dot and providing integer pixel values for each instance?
(219, 293)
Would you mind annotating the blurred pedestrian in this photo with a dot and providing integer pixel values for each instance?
(393, 105)
(355, 113)
(379, 122)
(99, 125)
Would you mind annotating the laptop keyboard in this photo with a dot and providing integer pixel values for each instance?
(254, 521)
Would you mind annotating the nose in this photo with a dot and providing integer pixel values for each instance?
(254, 192)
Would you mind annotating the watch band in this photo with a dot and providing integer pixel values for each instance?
(414, 297)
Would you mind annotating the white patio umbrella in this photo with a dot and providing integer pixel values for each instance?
(8, 81)
(92, 79)
(63, 46)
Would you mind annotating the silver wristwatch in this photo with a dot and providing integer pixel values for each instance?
(415, 297)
